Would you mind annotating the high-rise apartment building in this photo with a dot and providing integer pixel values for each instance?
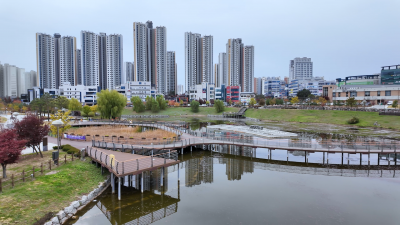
(102, 51)
(57, 61)
(1, 79)
(90, 58)
(78, 67)
(114, 62)
(10, 80)
(248, 70)
(234, 54)
(217, 81)
(198, 59)
(301, 69)
(207, 59)
(128, 71)
(150, 54)
(67, 60)
(171, 84)
(222, 69)
(161, 59)
(30, 79)
(46, 77)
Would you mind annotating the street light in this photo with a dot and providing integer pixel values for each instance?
(58, 124)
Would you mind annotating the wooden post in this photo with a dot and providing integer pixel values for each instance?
(23, 175)
(41, 168)
(33, 172)
(65, 159)
(50, 164)
(73, 157)
(1, 187)
(12, 180)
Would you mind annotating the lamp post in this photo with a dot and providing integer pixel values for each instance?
(58, 124)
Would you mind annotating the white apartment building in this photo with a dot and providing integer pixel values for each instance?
(234, 54)
(248, 70)
(128, 72)
(103, 70)
(84, 94)
(207, 59)
(161, 60)
(10, 78)
(136, 88)
(192, 59)
(79, 77)
(204, 91)
(90, 58)
(45, 61)
(301, 69)
(171, 73)
(115, 61)
(30, 80)
(181, 90)
(222, 70)
(142, 57)
(67, 60)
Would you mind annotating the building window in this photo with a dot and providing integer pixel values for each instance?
(378, 93)
(388, 93)
(338, 94)
(334, 94)
(367, 94)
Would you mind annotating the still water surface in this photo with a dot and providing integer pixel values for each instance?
(216, 188)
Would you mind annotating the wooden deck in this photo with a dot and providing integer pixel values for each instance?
(126, 164)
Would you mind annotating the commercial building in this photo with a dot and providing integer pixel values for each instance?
(271, 86)
(204, 91)
(300, 69)
(232, 93)
(245, 97)
(374, 79)
(220, 93)
(198, 59)
(84, 94)
(171, 82)
(141, 89)
(390, 75)
(37, 92)
(373, 94)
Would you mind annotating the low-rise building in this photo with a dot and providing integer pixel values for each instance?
(245, 97)
(220, 93)
(37, 92)
(232, 93)
(390, 75)
(204, 91)
(85, 94)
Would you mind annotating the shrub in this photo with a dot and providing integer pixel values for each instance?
(219, 106)
(91, 114)
(194, 106)
(353, 120)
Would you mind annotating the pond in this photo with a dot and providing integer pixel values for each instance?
(239, 185)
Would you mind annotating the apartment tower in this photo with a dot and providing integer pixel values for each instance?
(46, 77)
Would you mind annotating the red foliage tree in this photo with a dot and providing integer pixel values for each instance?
(10, 148)
(33, 130)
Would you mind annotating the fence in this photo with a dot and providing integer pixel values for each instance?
(339, 108)
(27, 175)
(133, 165)
(145, 116)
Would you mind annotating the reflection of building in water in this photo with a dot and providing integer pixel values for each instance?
(299, 153)
(235, 168)
(302, 143)
(199, 170)
(235, 150)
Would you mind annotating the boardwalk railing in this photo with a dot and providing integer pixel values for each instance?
(130, 166)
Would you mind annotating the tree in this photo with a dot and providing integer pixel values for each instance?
(48, 103)
(33, 130)
(351, 102)
(64, 117)
(181, 102)
(230, 102)
(155, 106)
(279, 101)
(252, 102)
(272, 101)
(238, 103)
(294, 100)
(261, 102)
(395, 104)
(61, 102)
(10, 148)
(207, 102)
(24, 109)
(194, 106)
(259, 97)
(161, 102)
(86, 110)
(110, 103)
(94, 108)
(303, 94)
(37, 104)
(74, 105)
(219, 106)
(149, 102)
(138, 105)
(322, 101)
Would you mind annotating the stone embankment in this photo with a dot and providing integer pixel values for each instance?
(68, 212)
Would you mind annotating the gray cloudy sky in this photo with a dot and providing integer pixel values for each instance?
(343, 37)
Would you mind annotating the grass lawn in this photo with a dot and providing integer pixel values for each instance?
(29, 201)
(367, 119)
(3, 119)
(179, 111)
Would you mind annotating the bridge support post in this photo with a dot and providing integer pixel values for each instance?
(348, 159)
(342, 158)
(162, 176)
(178, 171)
(378, 159)
(287, 156)
(369, 159)
(323, 158)
(360, 159)
(119, 188)
(327, 158)
(190, 146)
(141, 182)
(181, 151)
(112, 184)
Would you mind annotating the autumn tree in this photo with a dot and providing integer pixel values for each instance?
(10, 148)
(322, 101)
(252, 102)
(65, 118)
(351, 102)
(33, 130)
(294, 100)
(94, 108)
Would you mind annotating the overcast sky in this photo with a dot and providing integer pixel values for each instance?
(343, 38)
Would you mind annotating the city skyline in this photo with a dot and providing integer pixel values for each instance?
(351, 44)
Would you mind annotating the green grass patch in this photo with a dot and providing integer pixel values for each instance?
(367, 119)
(29, 201)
